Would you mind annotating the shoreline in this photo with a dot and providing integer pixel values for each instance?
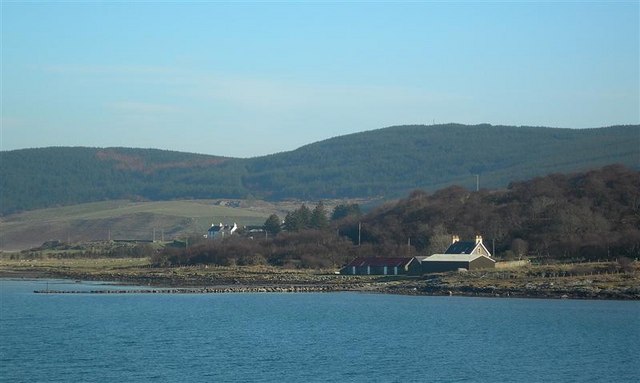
(451, 284)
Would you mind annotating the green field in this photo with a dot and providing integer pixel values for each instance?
(195, 209)
(123, 219)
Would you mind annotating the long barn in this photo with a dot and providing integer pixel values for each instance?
(438, 263)
(382, 266)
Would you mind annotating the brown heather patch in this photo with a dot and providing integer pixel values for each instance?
(138, 163)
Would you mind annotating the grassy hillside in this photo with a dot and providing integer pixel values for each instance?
(124, 220)
(386, 162)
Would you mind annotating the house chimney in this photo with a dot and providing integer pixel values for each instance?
(455, 239)
(478, 239)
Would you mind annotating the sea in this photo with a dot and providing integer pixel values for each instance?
(309, 337)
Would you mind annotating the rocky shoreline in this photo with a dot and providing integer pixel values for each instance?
(398, 290)
(520, 283)
(433, 287)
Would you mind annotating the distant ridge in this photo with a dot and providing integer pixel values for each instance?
(385, 162)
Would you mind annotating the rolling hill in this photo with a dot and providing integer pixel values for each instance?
(391, 161)
(386, 162)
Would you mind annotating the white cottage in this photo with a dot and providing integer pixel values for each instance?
(220, 231)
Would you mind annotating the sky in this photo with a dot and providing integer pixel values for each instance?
(244, 79)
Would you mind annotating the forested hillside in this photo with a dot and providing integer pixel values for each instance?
(386, 162)
(583, 217)
(38, 178)
(592, 215)
(393, 160)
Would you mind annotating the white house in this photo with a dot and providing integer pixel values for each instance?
(221, 231)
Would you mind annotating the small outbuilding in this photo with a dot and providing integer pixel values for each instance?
(382, 266)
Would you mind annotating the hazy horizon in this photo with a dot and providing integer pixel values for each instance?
(250, 79)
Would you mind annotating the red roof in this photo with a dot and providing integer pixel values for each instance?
(379, 262)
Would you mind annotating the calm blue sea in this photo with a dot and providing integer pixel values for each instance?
(336, 337)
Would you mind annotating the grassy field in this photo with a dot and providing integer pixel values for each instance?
(127, 220)
(78, 264)
(110, 209)
(122, 219)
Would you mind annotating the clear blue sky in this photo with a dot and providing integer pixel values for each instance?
(246, 79)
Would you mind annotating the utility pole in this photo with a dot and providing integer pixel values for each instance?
(477, 182)
(359, 231)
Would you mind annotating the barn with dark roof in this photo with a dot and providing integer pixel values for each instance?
(469, 255)
(438, 263)
(382, 266)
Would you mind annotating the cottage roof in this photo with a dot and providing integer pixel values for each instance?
(461, 247)
(454, 258)
(379, 262)
(222, 228)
